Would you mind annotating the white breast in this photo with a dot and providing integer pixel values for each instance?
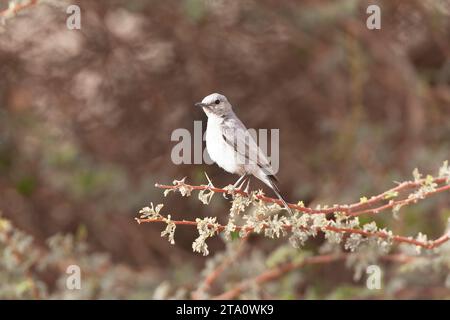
(218, 149)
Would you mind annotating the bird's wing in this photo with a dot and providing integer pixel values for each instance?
(237, 136)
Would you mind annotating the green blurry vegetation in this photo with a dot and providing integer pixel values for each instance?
(194, 9)
(5, 159)
(26, 186)
(31, 271)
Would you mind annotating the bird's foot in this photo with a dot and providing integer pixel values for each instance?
(232, 189)
(225, 194)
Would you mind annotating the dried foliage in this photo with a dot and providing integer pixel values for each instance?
(29, 270)
(255, 213)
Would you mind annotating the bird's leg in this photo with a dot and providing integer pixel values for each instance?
(247, 188)
(242, 184)
(239, 180)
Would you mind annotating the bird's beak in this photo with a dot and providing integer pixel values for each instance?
(199, 104)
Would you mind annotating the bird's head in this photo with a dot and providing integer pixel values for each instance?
(215, 104)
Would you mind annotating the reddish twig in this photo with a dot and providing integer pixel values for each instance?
(403, 202)
(17, 8)
(379, 234)
(212, 277)
(276, 273)
(354, 209)
(399, 258)
(279, 271)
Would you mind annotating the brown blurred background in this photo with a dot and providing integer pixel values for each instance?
(86, 115)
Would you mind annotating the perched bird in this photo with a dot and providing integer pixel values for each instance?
(232, 147)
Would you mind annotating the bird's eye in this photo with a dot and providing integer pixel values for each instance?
(217, 101)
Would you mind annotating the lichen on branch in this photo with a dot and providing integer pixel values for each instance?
(259, 214)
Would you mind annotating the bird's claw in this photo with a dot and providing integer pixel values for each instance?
(247, 188)
(242, 184)
(238, 188)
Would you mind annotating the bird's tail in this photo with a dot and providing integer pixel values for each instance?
(271, 181)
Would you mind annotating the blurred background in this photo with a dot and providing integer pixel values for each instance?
(86, 117)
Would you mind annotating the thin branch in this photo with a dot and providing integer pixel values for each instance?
(214, 274)
(15, 8)
(275, 273)
(403, 202)
(379, 234)
(300, 228)
(280, 271)
(355, 209)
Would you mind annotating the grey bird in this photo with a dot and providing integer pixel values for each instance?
(232, 147)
